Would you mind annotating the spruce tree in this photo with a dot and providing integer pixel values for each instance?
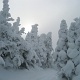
(60, 53)
(73, 53)
(49, 49)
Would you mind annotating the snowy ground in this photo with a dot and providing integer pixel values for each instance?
(33, 74)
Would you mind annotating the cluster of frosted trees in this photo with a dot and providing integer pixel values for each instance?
(67, 52)
(16, 52)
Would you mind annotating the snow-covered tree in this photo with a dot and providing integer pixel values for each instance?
(60, 53)
(45, 49)
(5, 30)
(16, 27)
(15, 52)
(34, 36)
(9, 38)
(62, 42)
(5, 15)
(73, 52)
(48, 45)
(41, 46)
(42, 53)
(32, 42)
(74, 38)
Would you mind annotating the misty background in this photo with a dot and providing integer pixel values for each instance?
(46, 13)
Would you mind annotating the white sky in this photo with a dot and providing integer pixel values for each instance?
(47, 13)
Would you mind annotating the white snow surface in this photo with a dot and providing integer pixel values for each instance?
(73, 53)
(77, 71)
(76, 77)
(71, 45)
(32, 74)
(2, 62)
(67, 69)
(62, 55)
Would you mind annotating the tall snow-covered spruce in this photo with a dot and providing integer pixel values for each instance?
(74, 48)
(45, 50)
(60, 54)
(48, 45)
(5, 32)
(32, 42)
(70, 71)
(9, 48)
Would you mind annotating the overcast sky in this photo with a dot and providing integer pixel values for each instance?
(47, 13)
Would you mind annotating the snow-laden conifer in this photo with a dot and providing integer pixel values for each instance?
(61, 49)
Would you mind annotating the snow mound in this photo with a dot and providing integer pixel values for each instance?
(62, 55)
(71, 45)
(2, 61)
(73, 53)
(77, 42)
(67, 69)
(76, 60)
(77, 72)
(69, 51)
(76, 77)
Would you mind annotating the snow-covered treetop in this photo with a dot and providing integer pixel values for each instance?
(75, 25)
(43, 37)
(6, 8)
(63, 29)
(76, 19)
(49, 34)
(72, 26)
(5, 11)
(77, 22)
(34, 28)
(16, 25)
(74, 30)
(49, 41)
(22, 31)
(4, 14)
(63, 24)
